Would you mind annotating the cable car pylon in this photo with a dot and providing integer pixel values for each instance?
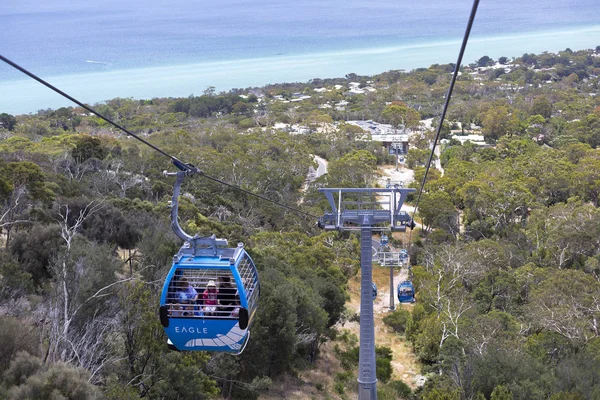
(362, 209)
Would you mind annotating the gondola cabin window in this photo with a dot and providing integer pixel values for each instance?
(202, 293)
(211, 293)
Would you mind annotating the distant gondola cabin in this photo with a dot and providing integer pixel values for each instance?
(403, 255)
(383, 240)
(406, 292)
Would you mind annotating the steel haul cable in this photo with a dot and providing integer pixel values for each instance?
(178, 163)
(447, 102)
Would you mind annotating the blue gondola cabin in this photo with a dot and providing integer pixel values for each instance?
(403, 255)
(406, 292)
(383, 240)
(209, 299)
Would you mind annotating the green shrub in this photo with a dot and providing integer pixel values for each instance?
(384, 369)
(27, 379)
(344, 376)
(383, 352)
(355, 317)
(339, 387)
(501, 392)
(383, 358)
(397, 320)
(402, 390)
(15, 336)
(349, 359)
(246, 123)
(22, 366)
(394, 390)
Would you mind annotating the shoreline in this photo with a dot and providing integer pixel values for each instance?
(27, 96)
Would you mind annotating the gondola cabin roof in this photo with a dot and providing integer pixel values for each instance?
(212, 255)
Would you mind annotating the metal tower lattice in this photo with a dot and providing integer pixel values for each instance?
(366, 209)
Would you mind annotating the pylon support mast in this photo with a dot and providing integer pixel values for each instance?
(366, 209)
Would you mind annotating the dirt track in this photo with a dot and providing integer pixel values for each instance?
(404, 362)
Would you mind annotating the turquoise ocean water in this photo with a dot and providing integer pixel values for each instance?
(144, 49)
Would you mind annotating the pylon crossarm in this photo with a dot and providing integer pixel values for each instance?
(350, 206)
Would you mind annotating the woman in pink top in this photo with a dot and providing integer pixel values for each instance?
(210, 298)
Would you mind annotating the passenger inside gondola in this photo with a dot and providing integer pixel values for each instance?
(186, 298)
(210, 299)
(188, 292)
(226, 296)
